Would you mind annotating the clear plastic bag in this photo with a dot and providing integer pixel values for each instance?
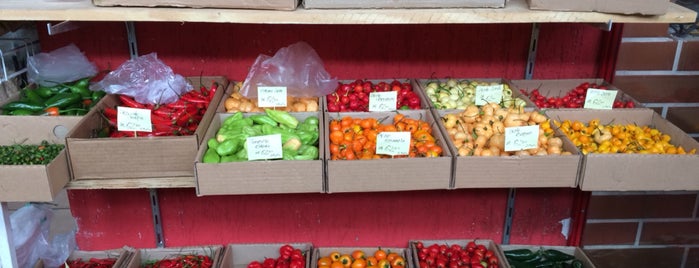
(147, 79)
(30, 227)
(62, 65)
(297, 67)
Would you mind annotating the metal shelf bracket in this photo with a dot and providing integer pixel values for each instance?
(61, 27)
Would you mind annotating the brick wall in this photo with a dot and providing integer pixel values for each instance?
(651, 229)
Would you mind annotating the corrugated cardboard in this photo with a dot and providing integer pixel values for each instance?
(575, 251)
(513, 171)
(560, 87)
(320, 252)
(240, 255)
(515, 93)
(489, 244)
(34, 182)
(141, 157)
(402, 3)
(142, 256)
(644, 7)
(636, 172)
(259, 177)
(399, 174)
(246, 4)
(122, 256)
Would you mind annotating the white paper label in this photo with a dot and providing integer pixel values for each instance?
(599, 99)
(393, 143)
(133, 119)
(264, 147)
(383, 101)
(488, 94)
(271, 96)
(521, 138)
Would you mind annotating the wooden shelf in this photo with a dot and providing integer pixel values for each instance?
(516, 11)
(172, 182)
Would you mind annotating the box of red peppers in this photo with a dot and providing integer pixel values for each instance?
(98, 150)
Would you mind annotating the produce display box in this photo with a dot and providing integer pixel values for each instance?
(577, 252)
(560, 87)
(139, 257)
(328, 4)
(636, 172)
(513, 171)
(398, 174)
(424, 102)
(259, 177)
(489, 244)
(122, 256)
(240, 255)
(643, 7)
(234, 87)
(515, 93)
(242, 4)
(140, 157)
(320, 252)
(25, 183)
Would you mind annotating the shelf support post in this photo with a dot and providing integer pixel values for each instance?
(157, 220)
(509, 212)
(531, 57)
(8, 256)
(131, 37)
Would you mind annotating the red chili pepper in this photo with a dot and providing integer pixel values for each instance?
(109, 112)
(212, 91)
(130, 102)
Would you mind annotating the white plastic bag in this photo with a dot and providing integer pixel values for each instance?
(297, 67)
(62, 65)
(30, 227)
(147, 79)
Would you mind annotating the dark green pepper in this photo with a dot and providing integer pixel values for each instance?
(32, 97)
(576, 264)
(44, 92)
(520, 254)
(229, 147)
(556, 255)
(22, 112)
(17, 105)
(210, 156)
(62, 100)
(283, 118)
(97, 96)
(263, 120)
(518, 264)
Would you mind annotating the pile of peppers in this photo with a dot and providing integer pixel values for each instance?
(62, 99)
(90, 263)
(299, 139)
(542, 258)
(183, 261)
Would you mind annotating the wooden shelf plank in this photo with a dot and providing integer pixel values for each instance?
(516, 11)
(171, 182)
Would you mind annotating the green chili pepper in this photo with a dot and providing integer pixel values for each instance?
(308, 137)
(210, 156)
(251, 131)
(212, 143)
(97, 96)
(263, 120)
(576, 264)
(32, 97)
(283, 118)
(231, 158)
(518, 264)
(22, 112)
(44, 92)
(311, 120)
(16, 105)
(229, 147)
(520, 254)
(242, 154)
(63, 100)
(267, 129)
(556, 255)
(288, 154)
(233, 118)
(292, 144)
(307, 152)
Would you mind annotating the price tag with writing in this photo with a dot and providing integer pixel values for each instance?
(264, 147)
(488, 94)
(133, 119)
(271, 96)
(521, 138)
(383, 101)
(599, 99)
(393, 143)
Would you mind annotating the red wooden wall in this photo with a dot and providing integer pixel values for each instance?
(113, 218)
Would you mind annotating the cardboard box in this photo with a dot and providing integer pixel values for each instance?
(386, 174)
(320, 252)
(240, 255)
(25, 183)
(259, 177)
(143, 256)
(513, 171)
(515, 93)
(561, 87)
(403, 3)
(122, 256)
(235, 87)
(643, 7)
(636, 172)
(575, 251)
(141, 157)
(267, 4)
(489, 244)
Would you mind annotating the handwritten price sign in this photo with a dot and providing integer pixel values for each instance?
(133, 119)
(599, 99)
(264, 147)
(383, 101)
(521, 138)
(271, 96)
(393, 143)
(488, 94)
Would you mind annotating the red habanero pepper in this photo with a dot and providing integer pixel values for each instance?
(130, 102)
